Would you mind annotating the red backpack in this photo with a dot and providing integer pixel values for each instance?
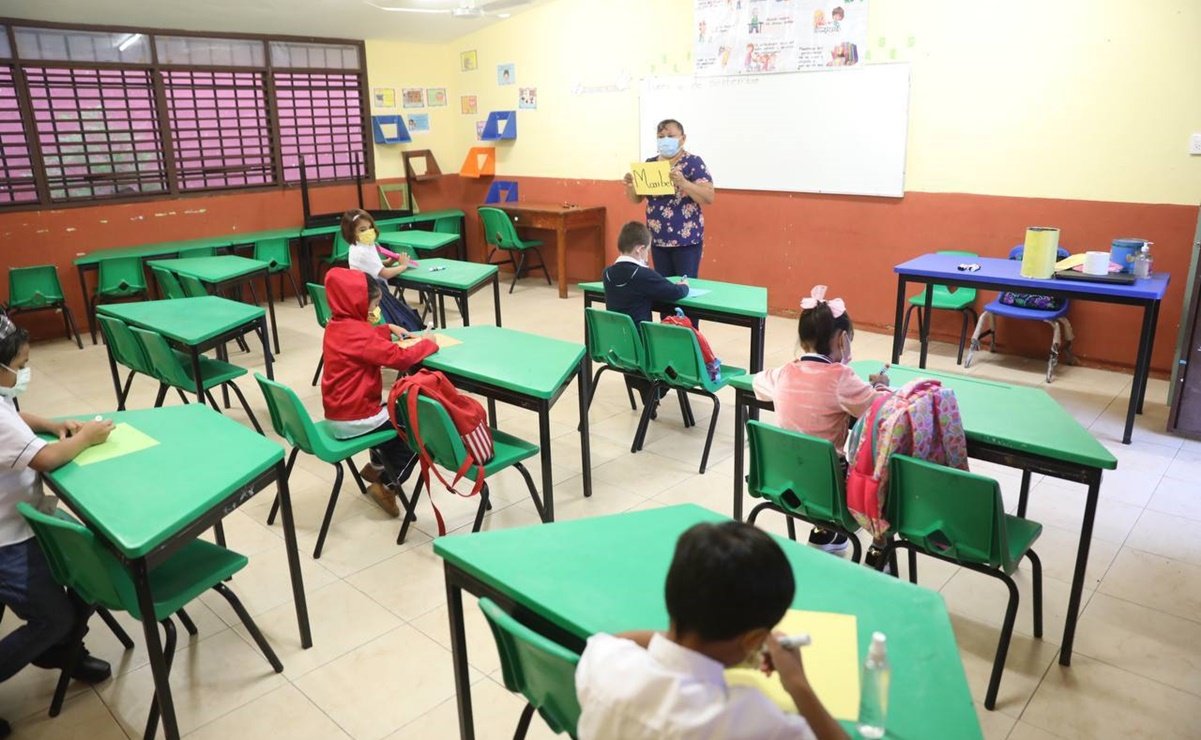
(467, 415)
(712, 364)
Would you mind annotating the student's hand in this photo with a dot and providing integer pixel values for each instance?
(94, 432)
(398, 332)
(880, 378)
(787, 662)
(403, 260)
(68, 428)
(683, 281)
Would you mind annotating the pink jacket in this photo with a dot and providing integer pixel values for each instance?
(816, 398)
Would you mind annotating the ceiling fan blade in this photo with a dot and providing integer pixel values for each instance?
(498, 5)
(431, 11)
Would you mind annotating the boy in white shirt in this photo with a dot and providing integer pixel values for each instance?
(27, 588)
(728, 585)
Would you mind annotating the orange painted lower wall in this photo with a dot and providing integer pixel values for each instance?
(785, 241)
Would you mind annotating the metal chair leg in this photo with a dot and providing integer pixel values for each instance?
(712, 428)
(287, 476)
(479, 512)
(169, 656)
(517, 272)
(998, 666)
(648, 409)
(533, 489)
(295, 287)
(76, 642)
(912, 565)
(791, 524)
(905, 325)
(410, 510)
(187, 622)
(115, 627)
(72, 330)
(962, 337)
(523, 723)
(329, 511)
(251, 627)
(162, 395)
(1037, 577)
(317, 372)
(246, 407)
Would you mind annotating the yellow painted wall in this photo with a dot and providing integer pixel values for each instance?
(1073, 99)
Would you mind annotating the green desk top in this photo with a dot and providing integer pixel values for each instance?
(731, 298)
(458, 274)
(1015, 417)
(529, 364)
(251, 237)
(127, 499)
(434, 215)
(189, 321)
(163, 249)
(606, 574)
(215, 269)
(332, 228)
(422, 241)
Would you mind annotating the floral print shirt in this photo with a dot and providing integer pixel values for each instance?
(676, 220)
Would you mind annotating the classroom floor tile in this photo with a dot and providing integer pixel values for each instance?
(380, 666)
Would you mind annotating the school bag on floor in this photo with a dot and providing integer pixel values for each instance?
(712, 364)
(921, 420)
(467, 415)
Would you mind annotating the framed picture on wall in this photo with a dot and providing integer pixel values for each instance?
(435, 97)
(418, 123)
(468, 61)
(413, 97)
(383, 97)
(468, 105)
(527, 98)
(506, 74)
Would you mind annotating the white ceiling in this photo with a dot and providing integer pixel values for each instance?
(349, 19)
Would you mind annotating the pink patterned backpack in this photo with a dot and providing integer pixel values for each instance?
(922, 420)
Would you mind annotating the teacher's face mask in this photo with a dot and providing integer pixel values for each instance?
(669, 146)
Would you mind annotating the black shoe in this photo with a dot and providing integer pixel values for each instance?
(875, 560)
(5, 729)
(89, 669)
(828, 540)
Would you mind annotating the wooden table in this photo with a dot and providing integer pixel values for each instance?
(560, 219)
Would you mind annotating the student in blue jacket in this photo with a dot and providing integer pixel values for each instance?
(631, 285)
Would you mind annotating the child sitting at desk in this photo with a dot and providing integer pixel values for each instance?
(27, 589)
(351, 384)
(728, 585)
(358, 229)
(817, 394)
(631, 286)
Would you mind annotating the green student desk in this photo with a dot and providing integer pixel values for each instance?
(725, 303)
(194, 325)
(573, 579)
(225, 271)
(307, 272)
(215, 465)
(442, 278)
(1012, 425)
(525, 370)
(421, 242)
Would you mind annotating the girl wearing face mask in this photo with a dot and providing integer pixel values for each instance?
(27, 589)
(817, 394)
(359, 231)
(676, 222)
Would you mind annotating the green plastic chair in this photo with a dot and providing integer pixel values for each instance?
(802, 478)
(278, 255)
(615, 344)
(946, 299)
(445, 448)
(192, 287)
(321, 310)
(38, 289)
(340, 254)
(450, 225)
(120, 278)
(196, 252)
(959, 517)
(538, 668)
(673, 359)
(125, 350)
(91, 571)
(168, 283)
(174, 370)
(292, 422)
(501, 234)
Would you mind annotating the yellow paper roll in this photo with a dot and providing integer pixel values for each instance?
(1038, 258)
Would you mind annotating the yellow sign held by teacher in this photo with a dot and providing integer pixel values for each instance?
(652, 178)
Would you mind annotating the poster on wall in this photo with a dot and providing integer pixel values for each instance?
(383, 97)
(506, 74)
(734, 37)
(435, 97)
(468, 105)
(479, 130)
(418, 123)
(413, 97)
(527, 98)
(468, 60)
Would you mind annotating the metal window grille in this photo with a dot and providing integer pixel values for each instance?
(321, 120)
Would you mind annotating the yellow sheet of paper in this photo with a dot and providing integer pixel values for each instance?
(652, 178)
(123, 440)
(831, 663)
(442, 340)
(1068, 263)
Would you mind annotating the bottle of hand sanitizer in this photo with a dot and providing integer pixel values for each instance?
(1142, 261)
(873, 704)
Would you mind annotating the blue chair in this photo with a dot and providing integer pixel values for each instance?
(1062, 335)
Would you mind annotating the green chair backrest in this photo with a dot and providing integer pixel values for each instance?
(673, 356)
(798, 473)
(499, 230)
(80, 563)
(164, 364)
(448, 225)
(289, 417)
(126, 348)
(614, 340)
(320, 303)
(968, 294)
(438, 432)
(196, 252)
(341, 251)
(192, 287)
(538, 668)
(168, 284)
(275, 252)
(952, 512)
(34, 287)
(121, 276)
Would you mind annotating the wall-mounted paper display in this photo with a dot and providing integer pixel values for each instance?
(413, 97)
(468, 61)
(527, 98)
(468, 105)
(435, 97)
(383, 97)
(501, 125)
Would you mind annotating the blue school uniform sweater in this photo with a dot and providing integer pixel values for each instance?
(632, 289)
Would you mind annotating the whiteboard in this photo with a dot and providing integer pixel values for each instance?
(832, 131)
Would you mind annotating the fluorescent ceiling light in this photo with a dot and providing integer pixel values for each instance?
(128, 41)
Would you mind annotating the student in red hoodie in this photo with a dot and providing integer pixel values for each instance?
(351, 386)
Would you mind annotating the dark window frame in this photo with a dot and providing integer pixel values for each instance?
(163, 116)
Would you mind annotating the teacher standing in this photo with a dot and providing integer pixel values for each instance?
(676, 222)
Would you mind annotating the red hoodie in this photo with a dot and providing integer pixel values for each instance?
(355, 350)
